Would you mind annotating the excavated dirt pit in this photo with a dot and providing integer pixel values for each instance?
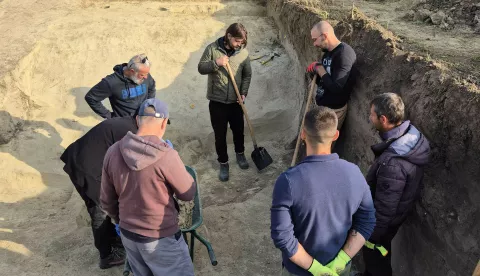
(61, 49)
(43, 110)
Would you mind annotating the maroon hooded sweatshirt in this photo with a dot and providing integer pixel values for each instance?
(140, 175)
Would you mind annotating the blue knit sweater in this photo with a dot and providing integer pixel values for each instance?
(315, 204)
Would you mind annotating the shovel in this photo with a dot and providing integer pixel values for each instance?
(309, 100)
(270, 59)
(255, 58)
(260, 156)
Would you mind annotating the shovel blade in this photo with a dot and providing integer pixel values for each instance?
(261, 158)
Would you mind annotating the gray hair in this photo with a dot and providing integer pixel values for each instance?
(138, 60)
(389, 105)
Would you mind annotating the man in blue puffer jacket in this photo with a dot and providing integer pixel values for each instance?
(395, 177)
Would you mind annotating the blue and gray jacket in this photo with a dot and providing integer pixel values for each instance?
(124, 95)
(395, 177)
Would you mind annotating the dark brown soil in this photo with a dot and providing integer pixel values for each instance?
(441, 237)
(463, 12)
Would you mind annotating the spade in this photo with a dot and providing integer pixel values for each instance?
(260, 156)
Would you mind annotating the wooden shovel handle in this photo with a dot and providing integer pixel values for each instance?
(309, 101)
(240, 101)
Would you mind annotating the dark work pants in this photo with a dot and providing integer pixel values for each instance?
(375, 263)
(221, 115)
(104, 234)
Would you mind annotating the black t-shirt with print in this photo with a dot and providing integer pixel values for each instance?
(335, 87)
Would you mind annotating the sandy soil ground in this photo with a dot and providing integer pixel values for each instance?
(54, 51)
(58, 53)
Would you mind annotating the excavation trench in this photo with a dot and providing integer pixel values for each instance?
(43, 111)
(46, 112)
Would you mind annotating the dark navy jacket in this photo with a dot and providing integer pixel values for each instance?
(395, 177)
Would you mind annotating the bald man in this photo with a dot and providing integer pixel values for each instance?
(336, 78)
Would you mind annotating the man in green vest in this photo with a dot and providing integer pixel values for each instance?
(224, 107)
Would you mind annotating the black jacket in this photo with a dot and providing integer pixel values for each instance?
(395, 178)
(124, 95)
(335, 87)
(86, 154)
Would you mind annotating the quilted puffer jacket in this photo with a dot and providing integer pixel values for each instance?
(395, 177)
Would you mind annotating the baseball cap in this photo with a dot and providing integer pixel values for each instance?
(161, 109)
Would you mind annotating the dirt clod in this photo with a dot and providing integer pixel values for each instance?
(437, 18)
(7, 128)
(449, 20)
(422, 15)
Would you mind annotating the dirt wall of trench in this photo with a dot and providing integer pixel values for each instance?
(441, 236)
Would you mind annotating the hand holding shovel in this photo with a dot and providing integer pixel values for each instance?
(307, 106)
(260, 156)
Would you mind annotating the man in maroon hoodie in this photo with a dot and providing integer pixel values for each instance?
(140, 176)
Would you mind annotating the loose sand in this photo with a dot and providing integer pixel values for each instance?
(58, 53)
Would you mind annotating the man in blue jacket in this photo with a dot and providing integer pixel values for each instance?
(126, 89)
(322, 210)
(395, 177)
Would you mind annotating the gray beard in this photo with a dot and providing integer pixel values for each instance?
(136, 80)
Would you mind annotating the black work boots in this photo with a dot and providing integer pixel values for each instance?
(117, 257)
(242, 161)
(224, 167)
(223, 175)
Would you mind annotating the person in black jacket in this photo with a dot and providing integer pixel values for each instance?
(128, 86)
(336, 71)
(83, 163)
(395, 177)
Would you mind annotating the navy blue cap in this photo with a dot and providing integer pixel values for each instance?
(161, 109)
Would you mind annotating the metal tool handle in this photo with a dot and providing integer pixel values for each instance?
(213, 260)
(309, 100)
(239, 97)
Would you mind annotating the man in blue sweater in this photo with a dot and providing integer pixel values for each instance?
(322, 210)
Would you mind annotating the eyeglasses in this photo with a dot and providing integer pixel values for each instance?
(315, 39)
(144, 59)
